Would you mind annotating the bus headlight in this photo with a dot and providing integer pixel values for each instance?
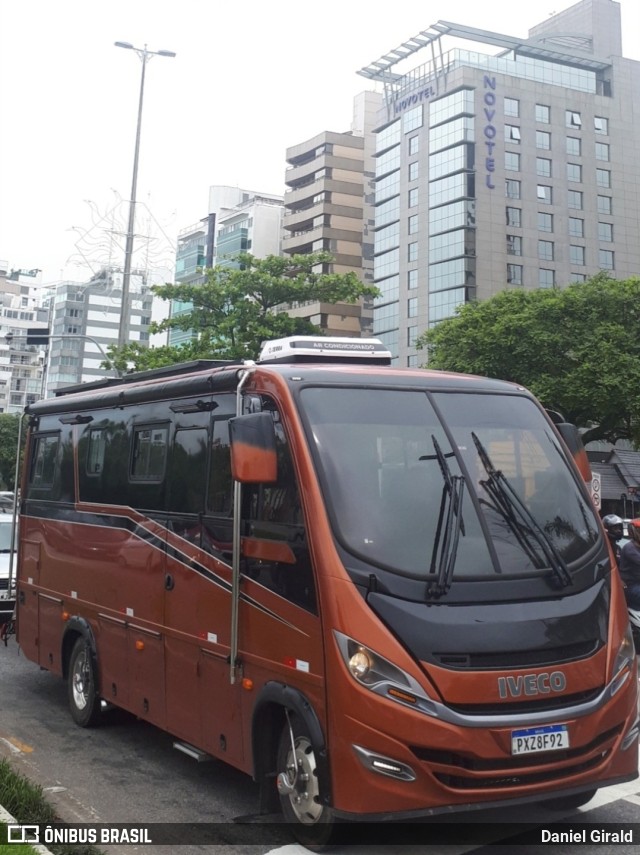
(624, 660)
(360, 663)
(377, 674)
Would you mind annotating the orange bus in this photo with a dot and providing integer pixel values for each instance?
(384, 593)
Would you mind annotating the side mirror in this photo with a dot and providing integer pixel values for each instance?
(572, 440)
(253, 449)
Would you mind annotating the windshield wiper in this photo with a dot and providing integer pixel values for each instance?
(520, 519)
(449, 527)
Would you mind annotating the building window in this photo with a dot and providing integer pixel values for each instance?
(413, 224)
(414, 170)
(512, 161)
(574, 146)
(412, 119)
(543, 140)
(604, 205)
(543, 114)
(412, 335)
(413, 197)
(546, 278)
(512, 107)
(414, 145)
(603, 178)
(543, 167)
(573, 119)
(545, 222)
(543, 193)
(412, 251)
(574, 172)
(605, 259)
(578, 277)
(412, 307)
(512, 134)
(514, 217)
(575, 199)
(545, 250)
(605, 232)
(412, 279)
(601, 125)
(576, 227)
(512, 188)
(602, 151)
(514, 245)
(576, 255)
(514, 274)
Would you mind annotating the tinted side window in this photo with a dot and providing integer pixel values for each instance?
(274, 512)
(187, 475)
(220, 498)
(149, 455)
(95, 451)
(43, 462)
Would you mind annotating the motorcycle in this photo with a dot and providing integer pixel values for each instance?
(634, 620)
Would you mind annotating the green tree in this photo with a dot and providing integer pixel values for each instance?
(577, 349)
(9, 429)
(238, 308)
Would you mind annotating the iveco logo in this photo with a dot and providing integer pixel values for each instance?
(531, 684)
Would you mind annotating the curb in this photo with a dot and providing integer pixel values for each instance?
(6, 817)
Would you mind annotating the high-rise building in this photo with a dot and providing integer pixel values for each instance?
(509, 164)
(238, 221)
(84, 319)
(21, 362)
(328, 206)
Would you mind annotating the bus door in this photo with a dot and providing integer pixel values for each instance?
(140, 565)
(279, 630)
(219, 701)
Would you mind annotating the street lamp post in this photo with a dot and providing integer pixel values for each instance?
(145, 55)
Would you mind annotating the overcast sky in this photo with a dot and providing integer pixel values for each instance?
(250, 79)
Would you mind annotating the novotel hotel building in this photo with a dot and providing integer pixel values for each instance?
(512, 165)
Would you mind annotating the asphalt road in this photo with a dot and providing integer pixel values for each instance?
(126, 771)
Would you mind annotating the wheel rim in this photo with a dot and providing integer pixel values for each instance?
(305, 798)
(81, 680)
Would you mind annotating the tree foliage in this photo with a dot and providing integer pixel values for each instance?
(9, 429)
(238, 308)
(577, 349)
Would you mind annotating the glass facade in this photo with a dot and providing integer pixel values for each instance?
(456, 140)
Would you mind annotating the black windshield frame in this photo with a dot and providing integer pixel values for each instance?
(493, 566)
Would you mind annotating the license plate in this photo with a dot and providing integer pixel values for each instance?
(551, 737)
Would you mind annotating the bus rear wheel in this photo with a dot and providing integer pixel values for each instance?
(82, 692)
(312, 822)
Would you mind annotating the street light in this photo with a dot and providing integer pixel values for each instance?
(145, 55)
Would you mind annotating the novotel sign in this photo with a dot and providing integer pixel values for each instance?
(414, 99)
(489, 128)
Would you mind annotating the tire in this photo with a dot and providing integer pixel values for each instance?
(563, 803)
(312, 823)
(82, 691)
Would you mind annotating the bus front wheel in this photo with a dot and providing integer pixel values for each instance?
(84, 702)
(312, 822)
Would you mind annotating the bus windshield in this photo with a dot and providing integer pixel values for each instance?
(491, 494)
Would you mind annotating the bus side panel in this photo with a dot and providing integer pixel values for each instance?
(50, 626)
(220, 710)
(112, 658)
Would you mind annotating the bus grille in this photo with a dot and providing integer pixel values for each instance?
(514, 771)
(531, 705)
(486, 661)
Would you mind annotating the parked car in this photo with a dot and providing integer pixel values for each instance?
(6, 502)
(7, 597)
